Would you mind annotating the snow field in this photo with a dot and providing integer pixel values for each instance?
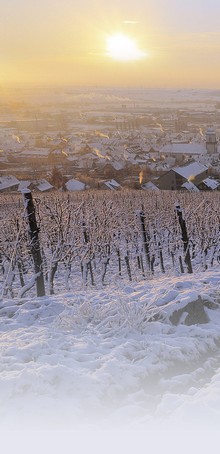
(100, 357)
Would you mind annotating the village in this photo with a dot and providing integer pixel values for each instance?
(77, 140)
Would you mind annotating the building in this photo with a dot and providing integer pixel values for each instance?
(75, 185)
(211, 141)
(183, 151)
(209, 184)
(150, 186)
(189, 187)
(192, 150)
(176, 177)
(110, 184)
(8, 183)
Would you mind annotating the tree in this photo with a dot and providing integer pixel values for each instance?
(57, 179)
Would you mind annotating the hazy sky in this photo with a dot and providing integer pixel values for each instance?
(57, 42)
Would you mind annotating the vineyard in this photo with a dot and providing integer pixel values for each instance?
(92, 239)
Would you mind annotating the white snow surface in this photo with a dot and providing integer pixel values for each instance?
(43, 185)
(7, 182)
(100, 357)
(112, 184)
(211, 183)
(190, 186)
(75, 185)
(189, 170)
(150, 186)
(184, 148)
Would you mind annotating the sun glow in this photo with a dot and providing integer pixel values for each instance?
(121, 47)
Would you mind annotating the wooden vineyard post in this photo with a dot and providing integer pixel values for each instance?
(35, 244)
(182, 222)
(145, 239)
(89, 264)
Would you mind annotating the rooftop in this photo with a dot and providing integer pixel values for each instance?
(190, 170)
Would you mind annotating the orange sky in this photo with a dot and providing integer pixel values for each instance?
(53, 42)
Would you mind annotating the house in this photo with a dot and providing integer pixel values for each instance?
(28, 155)
(75, 185)
(189, 186)
(181, 151)
(150, 186)
(111, 184)
(192, 150)
(209, 184)
(177, 176)
(8, 183)
(43, 185)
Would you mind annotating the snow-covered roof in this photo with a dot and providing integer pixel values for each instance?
(72, 158)
(211, 183)
(112, 184)
(7, 182)
(118, 165)
(210, 130)
(75, 185)
(36, 152)
(150, 186)
(184, 148)
(190, 186)
(23, 184)
(43, 185)
(98, 145)
(190, 170)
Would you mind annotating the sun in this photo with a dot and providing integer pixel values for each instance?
(122, 47)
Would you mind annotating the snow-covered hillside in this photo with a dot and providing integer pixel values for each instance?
(116, 355)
